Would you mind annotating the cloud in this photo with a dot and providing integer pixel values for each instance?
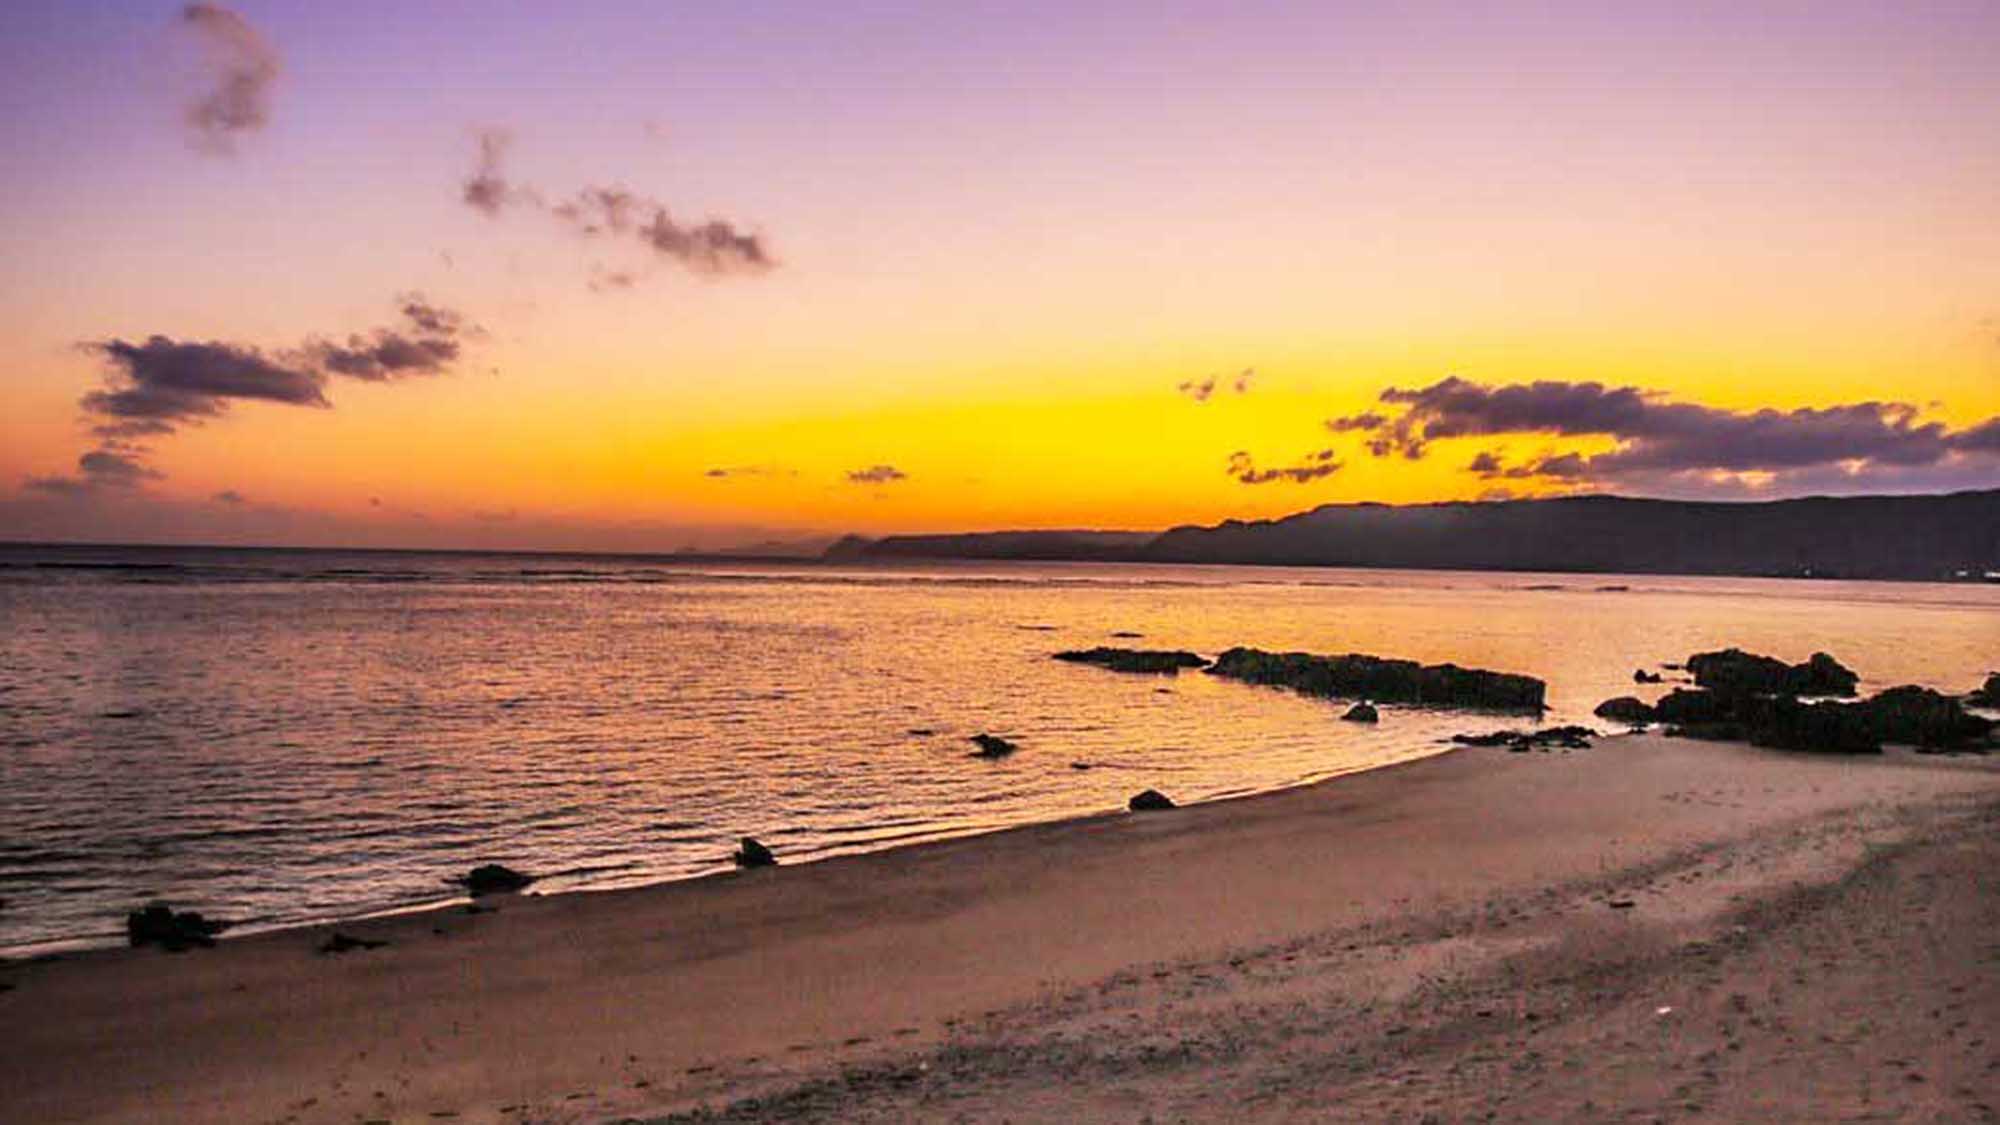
(1658, 438)
(487, 189)
(151, 389)
(229, 496)
(156, 385)
(240, 68)
(732, 472)
(99, 469)
(1311, 467)
(877, 474)
(713, 247)
(428, 344)
(1201, 390)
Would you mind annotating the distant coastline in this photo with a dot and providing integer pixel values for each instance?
(1943, 537)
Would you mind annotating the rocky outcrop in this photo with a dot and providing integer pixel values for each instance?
(1355, 676)
(1734, 671)
(172, 930)
(493, 879)
(1641, 676)
(1521, 741)
(992, 746)
(1134, 660)
(1152, 800)
(1625, 709)
(750, 853)
(1909, 716)
(1361, 713)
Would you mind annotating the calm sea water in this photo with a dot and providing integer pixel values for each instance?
(278, 736)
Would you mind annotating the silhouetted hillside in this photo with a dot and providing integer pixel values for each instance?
(1906, 537)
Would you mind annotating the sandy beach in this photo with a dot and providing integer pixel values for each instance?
(1649, 929)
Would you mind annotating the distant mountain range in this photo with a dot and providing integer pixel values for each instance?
(1951, 536)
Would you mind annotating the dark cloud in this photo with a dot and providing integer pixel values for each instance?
(156, 385)
(712, 247)
(151, 389)
(429, 343)
(877, 474)
(240, 68)
(1485, 464)
(229, 496)
(1311, 467)
(1659, 438)
(1201, 390)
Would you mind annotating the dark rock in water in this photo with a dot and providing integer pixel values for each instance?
(1690, 707)
(1909, 715)
(921, 732)
(1133, 660)
(753, 854)
(1916, 716)
(1519, 741)
(1079, 765)
(493, 879)
(1987, 696)
(338, 942)
(170, 929)
(1361, 713)
(992, 746)
(1355, 676)
(1644, 677)
(1625, 709)
(1127, 635)
(1152, 800)
(1737, 672)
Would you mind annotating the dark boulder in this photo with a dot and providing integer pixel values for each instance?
(1909, 715)
(1916, 716)
(1987, 696)
(1361, 713)
(1146, 661)
(1355, 676)
(1152, 800)
(1625, 709)
(493, 879)
(1644, 677)
(750, 853)
(1734, 671)
(992, 746)
(170, 929)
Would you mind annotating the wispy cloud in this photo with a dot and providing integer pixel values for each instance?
(877, 474)
(1313, 466)
(239, 70)
(711, 247)
(1204, 388)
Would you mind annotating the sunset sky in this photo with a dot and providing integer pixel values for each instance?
(977, 265)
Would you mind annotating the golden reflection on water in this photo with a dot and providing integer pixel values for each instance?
(312, 740)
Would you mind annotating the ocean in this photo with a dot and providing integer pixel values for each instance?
(282, 736)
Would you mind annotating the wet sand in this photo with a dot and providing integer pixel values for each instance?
(1648, 929)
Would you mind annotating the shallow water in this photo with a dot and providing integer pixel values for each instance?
(282, 736)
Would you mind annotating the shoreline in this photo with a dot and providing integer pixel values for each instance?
(586, 1006)
(113, 942)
